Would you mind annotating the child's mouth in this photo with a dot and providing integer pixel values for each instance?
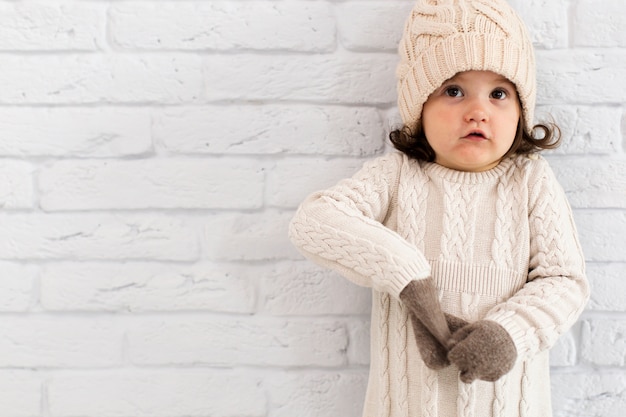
(475, 136)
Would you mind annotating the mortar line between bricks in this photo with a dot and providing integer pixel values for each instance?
(603, 315)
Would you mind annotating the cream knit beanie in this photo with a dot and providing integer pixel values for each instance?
(445, 37)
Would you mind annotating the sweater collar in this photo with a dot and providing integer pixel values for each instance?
(434, 170)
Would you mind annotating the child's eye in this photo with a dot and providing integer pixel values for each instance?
(453, 91)
(499, 94)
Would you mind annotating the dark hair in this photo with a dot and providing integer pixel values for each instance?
(415, 145)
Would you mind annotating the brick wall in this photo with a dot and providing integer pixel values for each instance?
(152, 154)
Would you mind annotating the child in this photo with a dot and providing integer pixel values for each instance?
(467, 220)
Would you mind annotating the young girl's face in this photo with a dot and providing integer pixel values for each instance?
(471, 120)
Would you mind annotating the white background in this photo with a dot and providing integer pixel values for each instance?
(152, 154)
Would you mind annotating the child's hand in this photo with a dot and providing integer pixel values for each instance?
(433, 353)
(482, 350)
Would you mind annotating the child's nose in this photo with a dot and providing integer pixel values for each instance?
(476, 111)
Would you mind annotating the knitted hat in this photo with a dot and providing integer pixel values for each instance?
(444, 37)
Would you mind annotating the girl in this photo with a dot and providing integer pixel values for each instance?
(464, 236)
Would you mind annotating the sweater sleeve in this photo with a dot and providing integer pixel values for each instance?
(342, 228)
(557, 288)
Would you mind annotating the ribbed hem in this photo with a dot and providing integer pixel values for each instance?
(466, 52)
(476, 279)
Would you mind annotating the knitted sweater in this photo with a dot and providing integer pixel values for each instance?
(501, 245)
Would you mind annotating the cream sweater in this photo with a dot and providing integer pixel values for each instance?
(501, 245)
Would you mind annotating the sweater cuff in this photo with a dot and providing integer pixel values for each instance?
(407, 273)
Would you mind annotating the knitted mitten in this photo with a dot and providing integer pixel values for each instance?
(433, 353)
(420, 296)
(482, 350)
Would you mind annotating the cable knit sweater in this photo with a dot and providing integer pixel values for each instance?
(500, 244)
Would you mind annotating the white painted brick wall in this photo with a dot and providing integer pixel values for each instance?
(152, 153)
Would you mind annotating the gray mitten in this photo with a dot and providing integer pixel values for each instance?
(433, 353)
(420, 296)
(482, 350)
